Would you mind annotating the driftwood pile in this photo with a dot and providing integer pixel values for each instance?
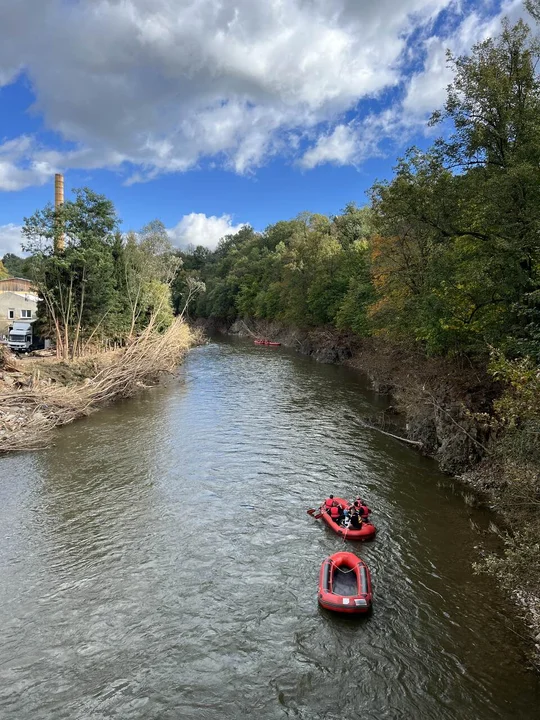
(31, 407)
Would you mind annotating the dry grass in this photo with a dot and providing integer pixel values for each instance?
(30, 410)
(7, 360)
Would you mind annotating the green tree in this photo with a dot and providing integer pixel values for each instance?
(18, 266)
(79, 285)
(15, 266)
(494, 105)
(457, 252)
(149, 260)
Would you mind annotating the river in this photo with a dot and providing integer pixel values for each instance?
(158, 563)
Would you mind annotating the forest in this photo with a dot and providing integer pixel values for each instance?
(446, 253)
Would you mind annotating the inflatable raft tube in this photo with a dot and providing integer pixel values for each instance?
(345, 584)
(366, 532)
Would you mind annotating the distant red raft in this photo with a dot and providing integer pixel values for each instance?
(366, 532)
(265, 342)
(345, 584)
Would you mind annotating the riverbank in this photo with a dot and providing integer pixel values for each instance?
(448, 409)
(40, 394)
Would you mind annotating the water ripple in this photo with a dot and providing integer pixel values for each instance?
(158, 563)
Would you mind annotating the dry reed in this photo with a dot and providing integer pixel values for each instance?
(28, 413)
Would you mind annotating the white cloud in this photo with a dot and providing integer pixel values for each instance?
(161, 85)
(423, 92)
(157, 86)
(338, 147)
(200, 229)
(10, 239)
(353, 143)
(426, 90)
(17, 167)
(193, 229)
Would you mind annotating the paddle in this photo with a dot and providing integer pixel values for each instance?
(314, 513)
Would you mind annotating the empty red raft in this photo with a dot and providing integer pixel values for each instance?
(366, 532)
(265, 342)
(345, 584)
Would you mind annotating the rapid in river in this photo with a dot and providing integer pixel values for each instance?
(157, 562)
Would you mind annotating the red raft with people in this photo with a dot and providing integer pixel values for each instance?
(333, 519)
(266, 342)
(345, 584)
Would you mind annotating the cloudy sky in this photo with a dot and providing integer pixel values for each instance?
(208, 115)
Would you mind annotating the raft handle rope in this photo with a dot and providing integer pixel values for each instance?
(332, 562)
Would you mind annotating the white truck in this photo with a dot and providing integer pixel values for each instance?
(21, 338)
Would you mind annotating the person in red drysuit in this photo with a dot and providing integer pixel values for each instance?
(362, 508)
(328, 503)
(335, 513)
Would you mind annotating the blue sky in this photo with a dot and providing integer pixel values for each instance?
(208, 115)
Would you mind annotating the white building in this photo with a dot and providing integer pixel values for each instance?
(18, 301)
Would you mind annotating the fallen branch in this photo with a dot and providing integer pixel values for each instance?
(249, 331)
(418, 443)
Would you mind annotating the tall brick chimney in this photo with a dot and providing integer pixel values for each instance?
(59, 240)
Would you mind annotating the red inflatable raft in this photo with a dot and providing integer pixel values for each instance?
(265, 342)
(345, 584)
(366, 532)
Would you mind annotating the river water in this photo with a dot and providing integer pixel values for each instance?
(158, 563)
